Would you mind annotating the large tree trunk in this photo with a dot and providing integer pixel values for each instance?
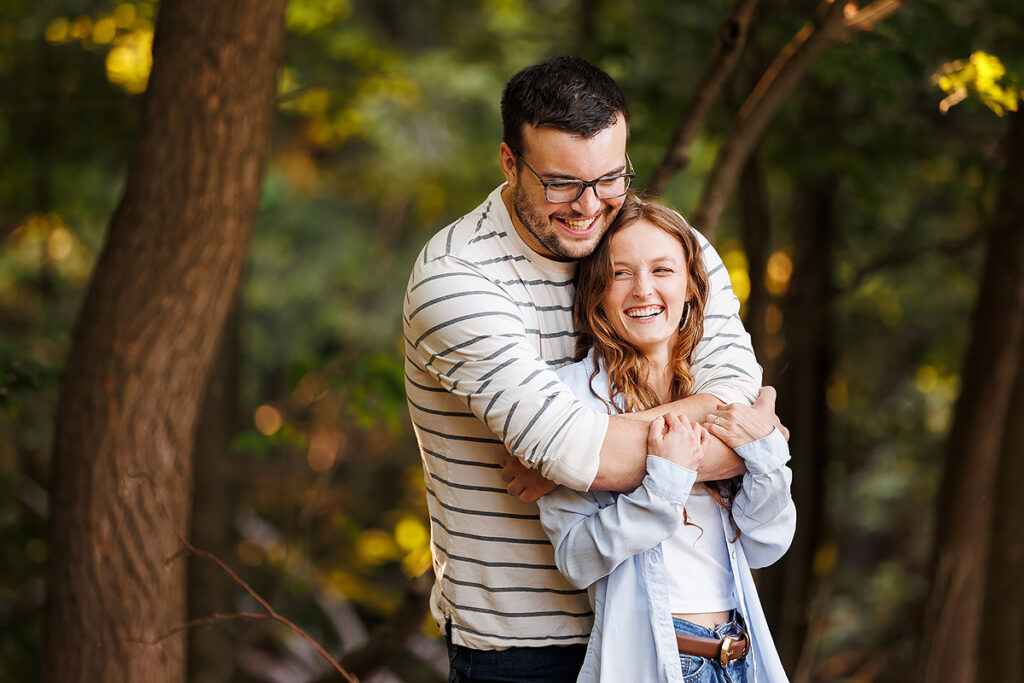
(144, 341)
(1004, 592)
(803, 409)
(755, 226)
(952, 618)
(210, 649)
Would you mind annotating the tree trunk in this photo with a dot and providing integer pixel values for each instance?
(755, 225)
(209, 588)
(803, 409)
(144, 341)
(1004, 593)
(952, 617)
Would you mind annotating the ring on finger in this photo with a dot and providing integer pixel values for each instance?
(717, 418)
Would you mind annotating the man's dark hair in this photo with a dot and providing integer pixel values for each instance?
(567, 93)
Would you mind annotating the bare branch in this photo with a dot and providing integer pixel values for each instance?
(774, 88)
(731, 39)
(271, 613)
(212, 619)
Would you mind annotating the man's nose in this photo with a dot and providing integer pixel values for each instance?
(587, 203)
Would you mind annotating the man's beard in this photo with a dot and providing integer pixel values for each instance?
(544, 232)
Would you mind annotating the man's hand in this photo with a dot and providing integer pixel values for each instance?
(526, 484)
(765, 404)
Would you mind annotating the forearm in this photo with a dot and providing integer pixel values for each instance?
(720, 462)
(693, 407)
(624, 451)
(623, 455)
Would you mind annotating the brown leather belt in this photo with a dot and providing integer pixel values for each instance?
(724, 650)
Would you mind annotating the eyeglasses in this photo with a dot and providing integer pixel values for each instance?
(566, 191)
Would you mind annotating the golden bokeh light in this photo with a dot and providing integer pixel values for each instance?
(268, 419)
(736, 263)
(130, 61)
(411, 534)
(375, 546)
(57, 30)
(323, 449)
(104, 31)
(59, 243)
(81, 28)
(124, 15)
(777, 273)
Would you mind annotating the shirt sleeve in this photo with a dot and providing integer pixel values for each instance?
(763, 509)
(590, 540)
(467, 333)
(724, 363)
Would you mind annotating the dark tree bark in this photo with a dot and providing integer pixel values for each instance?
(952, 618)
(209, 589)
(755, 227)
(803, 409)
(1004, 592)
(144, 341)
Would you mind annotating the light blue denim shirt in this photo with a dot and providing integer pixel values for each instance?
(611, 544)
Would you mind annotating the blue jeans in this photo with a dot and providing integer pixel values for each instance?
(703, 670)
(548, 664)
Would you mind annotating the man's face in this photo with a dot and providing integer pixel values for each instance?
(564, 232)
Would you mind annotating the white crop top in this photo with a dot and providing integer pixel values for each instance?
(697, 562)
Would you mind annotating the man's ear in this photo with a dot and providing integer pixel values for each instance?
(508, 163)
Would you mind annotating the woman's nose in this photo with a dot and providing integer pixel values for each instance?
(641, 286)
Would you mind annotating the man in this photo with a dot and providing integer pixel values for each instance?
(487, 321)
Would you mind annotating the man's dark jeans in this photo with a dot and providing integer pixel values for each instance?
(549, 664)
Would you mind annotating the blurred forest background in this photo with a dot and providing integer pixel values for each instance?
(871, 210)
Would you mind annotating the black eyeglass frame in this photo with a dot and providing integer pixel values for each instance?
(583, 184)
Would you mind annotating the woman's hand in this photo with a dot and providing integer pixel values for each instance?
(737, 424)
(678, 440)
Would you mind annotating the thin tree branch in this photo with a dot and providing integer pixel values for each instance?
(212, 619)
(774, 88)
(271, 612)
(731, 38)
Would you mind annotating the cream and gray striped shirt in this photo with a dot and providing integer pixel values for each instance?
(487, 323)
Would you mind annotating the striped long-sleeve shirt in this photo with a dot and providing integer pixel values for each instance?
(487, 323)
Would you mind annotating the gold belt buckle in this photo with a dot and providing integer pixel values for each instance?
(723, 655)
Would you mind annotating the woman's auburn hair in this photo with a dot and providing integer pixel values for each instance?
(626, 365)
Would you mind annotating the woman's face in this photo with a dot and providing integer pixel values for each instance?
(645, 301)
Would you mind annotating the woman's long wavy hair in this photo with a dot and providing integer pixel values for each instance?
(628, 368)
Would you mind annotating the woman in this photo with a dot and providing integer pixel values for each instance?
(667, 565)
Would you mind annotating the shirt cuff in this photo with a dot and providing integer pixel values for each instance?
(580, 457)
(669, 480)
(767, 454)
